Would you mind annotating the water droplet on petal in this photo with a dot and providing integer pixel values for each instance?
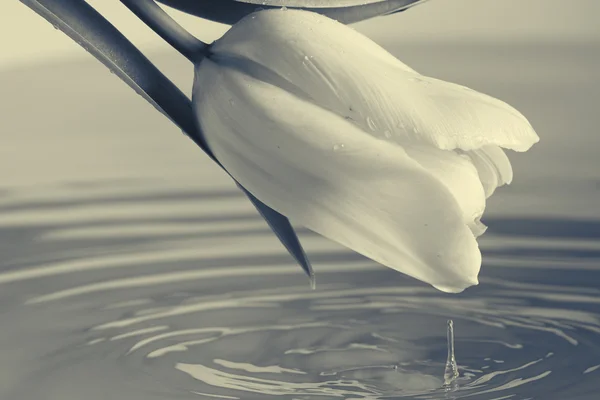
(231, 102)
(387, 134)
(371, 124)
(284, 8)
(338, 147)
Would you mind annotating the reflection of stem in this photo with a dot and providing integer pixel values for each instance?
(451, 371)
(167, 28)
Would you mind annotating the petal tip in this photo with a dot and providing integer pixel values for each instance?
(458, 287)
(527, 141)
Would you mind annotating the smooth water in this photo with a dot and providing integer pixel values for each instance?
(133, 269)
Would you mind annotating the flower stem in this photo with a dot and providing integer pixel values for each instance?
(166, 27)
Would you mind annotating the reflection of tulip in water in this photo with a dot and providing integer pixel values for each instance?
(329, 129)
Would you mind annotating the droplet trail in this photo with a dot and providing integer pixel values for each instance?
(451, 370)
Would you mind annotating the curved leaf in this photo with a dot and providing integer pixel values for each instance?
(93, 32)
(167, 28)
(345, 11)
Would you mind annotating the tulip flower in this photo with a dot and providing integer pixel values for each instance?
(327, 128)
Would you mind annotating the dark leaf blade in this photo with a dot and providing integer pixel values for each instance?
(281, 225)
(92, 31)
(347, 12)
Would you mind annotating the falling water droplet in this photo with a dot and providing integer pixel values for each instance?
(451, 370)
(313, 281)
(387, 134)
(338, 147)
(371, 124)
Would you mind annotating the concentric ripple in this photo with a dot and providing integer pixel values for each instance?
(368, 342)
(143, 295)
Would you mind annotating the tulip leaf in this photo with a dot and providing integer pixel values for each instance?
(92, 31)
(280, 225)
(345, 11)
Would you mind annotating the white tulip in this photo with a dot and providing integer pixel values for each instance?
(332, 131)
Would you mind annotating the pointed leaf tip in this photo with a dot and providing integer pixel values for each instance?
(285, 232)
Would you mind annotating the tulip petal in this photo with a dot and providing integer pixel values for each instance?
(493, 167)
(458, 174)
(324, 172)
(345, 72)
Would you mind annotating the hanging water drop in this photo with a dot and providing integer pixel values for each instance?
(313, 281)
